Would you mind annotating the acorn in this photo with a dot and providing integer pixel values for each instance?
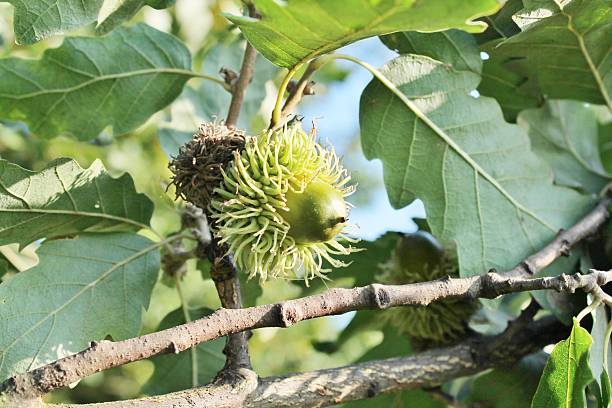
(419, 257)
(276, 201)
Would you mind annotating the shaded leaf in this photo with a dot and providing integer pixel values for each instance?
(82, 290)
(567, 373)
(506, 80)
(87, 84)
(455, 47)
(500, 24)
(290, 33)
(482, 186)
(567, 46)
(64, 199)
(565, 134)
(508, 387)
(174, 372)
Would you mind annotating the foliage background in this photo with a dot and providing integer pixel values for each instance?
(144, 154)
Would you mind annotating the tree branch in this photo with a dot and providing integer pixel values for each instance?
(246, 74)
(367, 380)
(103, 355)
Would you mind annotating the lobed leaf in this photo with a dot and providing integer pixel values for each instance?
(83, 289)
(482, 186)
(64, 199)
(87, 84)
(290, 33)
(567, 48)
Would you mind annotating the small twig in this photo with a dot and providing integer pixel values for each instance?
(104, 355)
(298, 91)
(246, 74)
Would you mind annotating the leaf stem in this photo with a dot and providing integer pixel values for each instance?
(278, 105)
(219, 81)
(584, 312)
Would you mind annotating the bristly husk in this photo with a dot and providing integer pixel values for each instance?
(438, 323)
(248, 205)
(197, 168)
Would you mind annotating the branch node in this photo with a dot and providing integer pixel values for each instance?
(381, 296)
(173, 348)
(288, 315)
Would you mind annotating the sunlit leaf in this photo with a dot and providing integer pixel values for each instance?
(482, 186)
(87, 84)
(65, 199)
(290, 33)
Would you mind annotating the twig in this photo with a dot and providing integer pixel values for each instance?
(366, 380)
(105, 355)
(298, 91)
(246, 73)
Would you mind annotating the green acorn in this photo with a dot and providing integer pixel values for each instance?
(418, 257)
(275, 201)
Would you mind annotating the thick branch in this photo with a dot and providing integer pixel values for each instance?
(104, 355)
(366, 380)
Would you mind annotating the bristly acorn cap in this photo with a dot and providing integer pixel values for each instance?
(198, 167)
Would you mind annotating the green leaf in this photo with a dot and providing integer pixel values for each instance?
(567, 373)
(606, 390)
(501, 25)
(565, 134)
(508, 387)
(64, 199)
(482, 186)
(455, 47)
(37, 19)
(605, 145)
(87, 84)
(291, 33)
(174, 372)
(567, 46)
(506, 80)
(82, 290)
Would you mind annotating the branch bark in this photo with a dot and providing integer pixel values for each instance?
(104, 355)
(366, 380)
(246, 74)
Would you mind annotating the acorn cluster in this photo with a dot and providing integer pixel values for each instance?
(418, 257)
(276, 201)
